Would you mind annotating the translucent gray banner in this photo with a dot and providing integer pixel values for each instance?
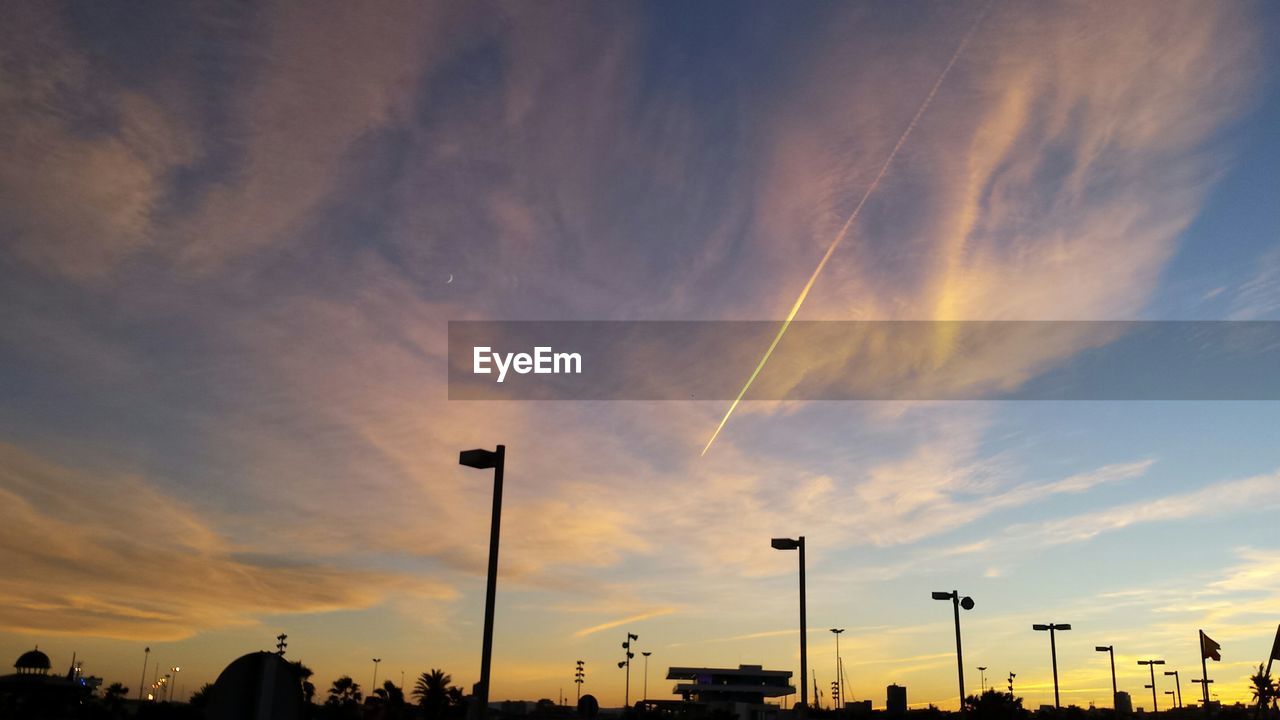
(864, 360)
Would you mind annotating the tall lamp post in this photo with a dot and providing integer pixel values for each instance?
(483, 460)
(1111, 651)
(798, 544)
(146, 656)
(175, 669)
(646, 654)
(839, 699)
(1151, 664)
(982, 670)
(626, 646)
(579, 677)
(957, 602)
(1053, 651)
(374, 686)
(1177, 684)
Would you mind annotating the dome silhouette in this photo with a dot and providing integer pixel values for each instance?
(33, 662)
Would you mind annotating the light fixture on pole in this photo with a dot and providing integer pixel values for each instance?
(1177, 684)
(957, 602)
(146, 655)
(1151, 664)
(1111, 651)
(1053, 651)
(626, 647)
(646, 654)
(374, 686)
(982, 671)
(798, 544)
(579, 677)
(839, 698)
(1011, 677)
(175, 670)
(483, 460)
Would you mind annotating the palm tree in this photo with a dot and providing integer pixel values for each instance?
(304, 675)
(345, 692)
(200, 698)
(1264, 687)
(392, 698)
(432, 692)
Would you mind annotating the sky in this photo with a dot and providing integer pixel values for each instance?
(232, 237)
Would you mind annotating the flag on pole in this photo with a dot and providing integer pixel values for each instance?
(1275, 646)
(1209, 649)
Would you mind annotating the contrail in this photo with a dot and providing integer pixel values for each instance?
(835, 242)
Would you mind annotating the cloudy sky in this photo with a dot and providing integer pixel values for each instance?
(231, 238)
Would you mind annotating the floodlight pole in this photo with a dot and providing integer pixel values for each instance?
(1151, 665)
(798, 544)
(1111, 651)
(488, 459)
(1053, 651)
(146, 655)
(954, 597)
(1177, 684)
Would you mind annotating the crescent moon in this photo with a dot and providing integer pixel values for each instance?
(450, 280)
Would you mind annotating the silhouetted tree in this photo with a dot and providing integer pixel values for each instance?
(391, 699)
(433, 693)
(344, 699)
(994, 705)
(304, 674)
(1264, 688)
(200, 698)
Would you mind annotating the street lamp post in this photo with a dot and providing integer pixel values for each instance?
(839, 700)
(646, 654)
(626, 646)
(482, 460)
(146, 656)
(579, 677)
(982, 670)
(1053, 651)
(957, 602)
(374, 686)
(1151, 664)
(798, 544)
(1177, 684)
(175, 669)
(1111, 651)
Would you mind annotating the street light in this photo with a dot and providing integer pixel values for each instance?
(626, 646)
(798, 544)
(579, 677)
(1177, 683)
(146, 655)
(483, 460)
(957, 602)
(646, 654)
(983, 670)
(1151, 664)
(374, 686)
(175, 669)
(839, 668)
(1053, 650)
(1111, 651)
